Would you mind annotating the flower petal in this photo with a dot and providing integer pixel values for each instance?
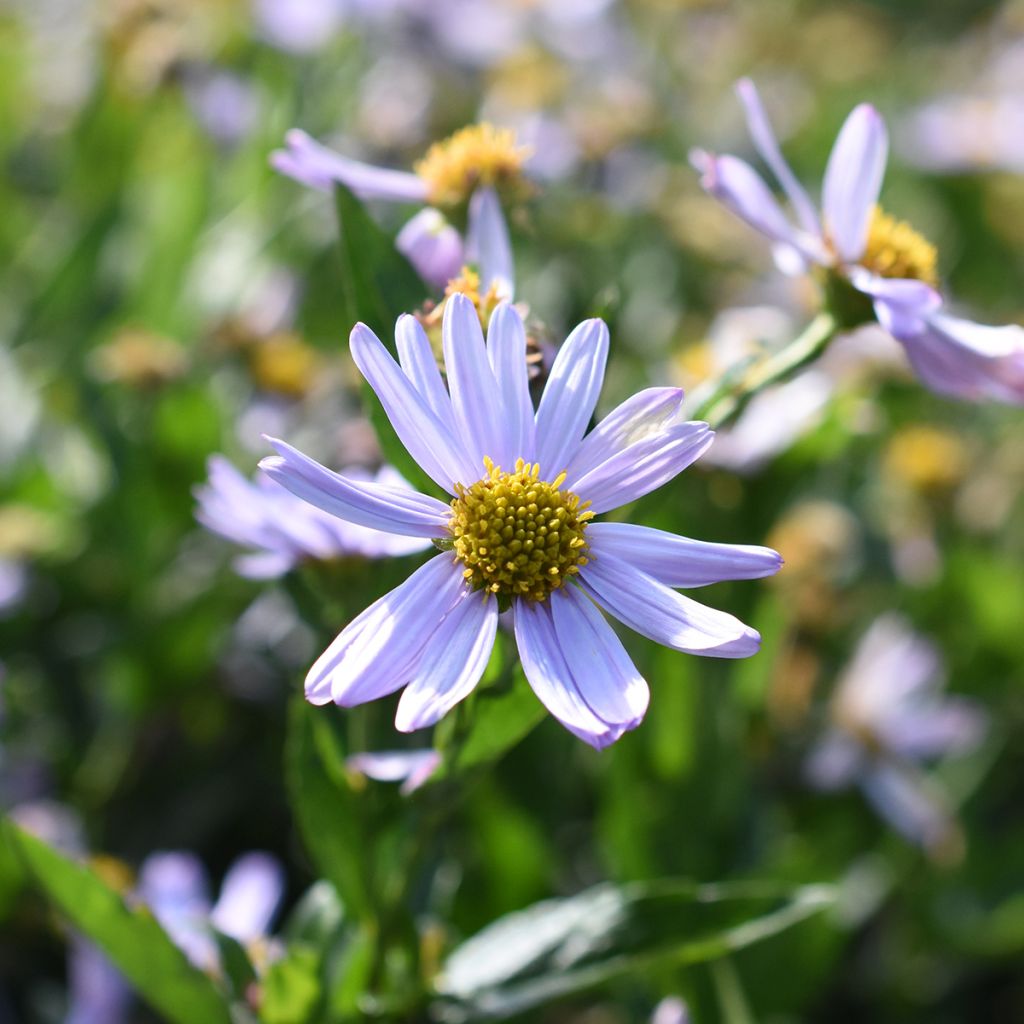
(853, 179)
(417, 359)
(544, 663)
(249, 896)
(735, 184)
(909, 803)
(570, 396)
(968, 360)
(476, 399)
(432, 246)
(312, 164)
(901, 304)
(506, 348)
(644, 466)
(433, 445)
(768, 146)
(452, 663)
(391, 509)
(605, 676)
(379, 650)
(488, 244)
(646, 413)
(655, 611)
(678, 561)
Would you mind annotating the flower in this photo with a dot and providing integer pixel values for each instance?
(872, 260)
(889, 715)
(521, 537)
(285, 531)
(410, 767)
(470, 166)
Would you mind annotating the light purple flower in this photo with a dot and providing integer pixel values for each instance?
(284, 531)
(428, 241)
(299, 26)
(520, 538)
(952, 356)
(175, 887)
(410, 767)
(888, 716)
(97, 991)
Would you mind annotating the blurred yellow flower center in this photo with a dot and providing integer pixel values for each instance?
(518, 535)
(895, 249)
(284, 364)
(477, 155)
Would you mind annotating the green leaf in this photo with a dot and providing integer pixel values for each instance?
(560, 947)
(291, 988)
(130, 937)
(325, 807)
(378, 284)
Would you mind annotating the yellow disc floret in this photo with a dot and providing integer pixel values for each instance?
(895, 249)
(517, 535)
(477, 155)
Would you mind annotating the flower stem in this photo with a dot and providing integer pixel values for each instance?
(727, 398)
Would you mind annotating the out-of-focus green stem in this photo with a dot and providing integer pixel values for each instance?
(728, 398)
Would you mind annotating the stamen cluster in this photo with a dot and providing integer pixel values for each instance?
(476, 155)
(517, 535)
(895, 249)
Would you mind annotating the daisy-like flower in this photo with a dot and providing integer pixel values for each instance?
(872, 261)
(517, 533)
(888, 716)
(470, 167)
(283, 531)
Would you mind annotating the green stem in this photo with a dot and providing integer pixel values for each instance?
(729, 397)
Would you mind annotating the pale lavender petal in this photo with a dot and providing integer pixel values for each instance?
(570, 396)
(642, 415)
(173, 885)
(488, 244)
(264, 565)
(671, 1010)
(546, 669)
(678, 561)
(665, 616)
(250, 894)
(97, 991)
(853, 179)
(476, 399)
(736, 184)
(908, 802)
(378, 651)
(605, 676)
(968, 360)
(439, 452)
(417, 359)
(835, 762)
(410, 767)
(767, 145)
(391, 509)
(314, 165)
(432, 246)
(937, 728)
(506, 348)
(902, 305)
(452, 663)
(644, 466)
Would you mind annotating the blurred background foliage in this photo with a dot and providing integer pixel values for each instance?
(164, 296)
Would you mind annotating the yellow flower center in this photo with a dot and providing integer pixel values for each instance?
(518, 536)
(895, 249)
(477, 155)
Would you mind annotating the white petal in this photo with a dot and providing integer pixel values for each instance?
(506, 348)
(416, 357)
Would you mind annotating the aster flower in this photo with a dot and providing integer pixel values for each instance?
(872, 261)
(284, 531)
(888, 716)
(520, 538)
(470, 167)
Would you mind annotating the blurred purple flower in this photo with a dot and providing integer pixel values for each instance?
(225, 104)
(951, 356)
(97, 991)
(299, 26)
(430, 243)
(174, 886)
(889, 716)
(520, 539)
(410, 767)
(285, 531)
(671, 1010)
